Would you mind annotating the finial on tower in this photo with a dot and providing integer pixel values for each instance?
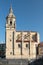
(11, 10)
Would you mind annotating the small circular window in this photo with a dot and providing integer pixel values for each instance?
(10, 22)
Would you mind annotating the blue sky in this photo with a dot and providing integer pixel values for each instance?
(29, 16)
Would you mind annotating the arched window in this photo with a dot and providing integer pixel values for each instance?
(10, 22)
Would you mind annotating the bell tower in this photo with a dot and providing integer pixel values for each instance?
(10, 19)
(10, 34)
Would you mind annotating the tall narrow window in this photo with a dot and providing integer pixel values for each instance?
(19, 45)
(28, 45)
(10, 22)
(13, 43)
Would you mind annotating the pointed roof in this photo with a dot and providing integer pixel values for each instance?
(10, 13)
(11, 10)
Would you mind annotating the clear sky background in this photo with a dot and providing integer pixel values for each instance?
(29, 16)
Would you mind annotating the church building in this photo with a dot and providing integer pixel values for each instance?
(19, 44)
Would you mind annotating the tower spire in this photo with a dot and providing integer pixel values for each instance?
(11, 14)
(11, 10)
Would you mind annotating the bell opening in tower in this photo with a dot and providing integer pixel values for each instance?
(10, 22)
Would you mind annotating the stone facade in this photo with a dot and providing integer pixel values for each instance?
(40, 49)
(19, 44)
